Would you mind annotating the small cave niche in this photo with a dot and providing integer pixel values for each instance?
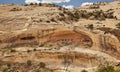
(86, 40)
(27, 38)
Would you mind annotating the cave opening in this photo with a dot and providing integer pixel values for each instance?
(28, 38)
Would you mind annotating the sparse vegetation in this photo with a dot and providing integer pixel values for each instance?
(108, 68)
(16, 9)
(4, 68)
(94, 6)
(95, 15)
(117, 69)
(21, 67)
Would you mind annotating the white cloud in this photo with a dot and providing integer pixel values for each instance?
(45, 1)
(54, 1)
(68, 6)
(31, 1)
(86, 3)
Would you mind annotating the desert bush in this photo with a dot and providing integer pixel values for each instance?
(64, 12)
(60, 8)
(41, 45)
(53, 5)
(53, 20)
(61, 14)
(29, 63)
(118, 25)
(98, 15)
(68, 13)
(76, 14)
(12, 50)
(31, 3)
(42, 65)
(62, 19)
(40, 4)
(84, 71)
(101, 18)
(34, 49)
(90, 26)
(40, 20)
(48, 21)
(28, 51)
(36, 4)
(25, 4)
(110, 15)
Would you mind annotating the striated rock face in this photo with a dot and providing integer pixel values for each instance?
(39, 37)
(63, 39)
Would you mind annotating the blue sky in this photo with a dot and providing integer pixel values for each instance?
(75, 3)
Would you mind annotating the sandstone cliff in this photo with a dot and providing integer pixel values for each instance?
(64, 39)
